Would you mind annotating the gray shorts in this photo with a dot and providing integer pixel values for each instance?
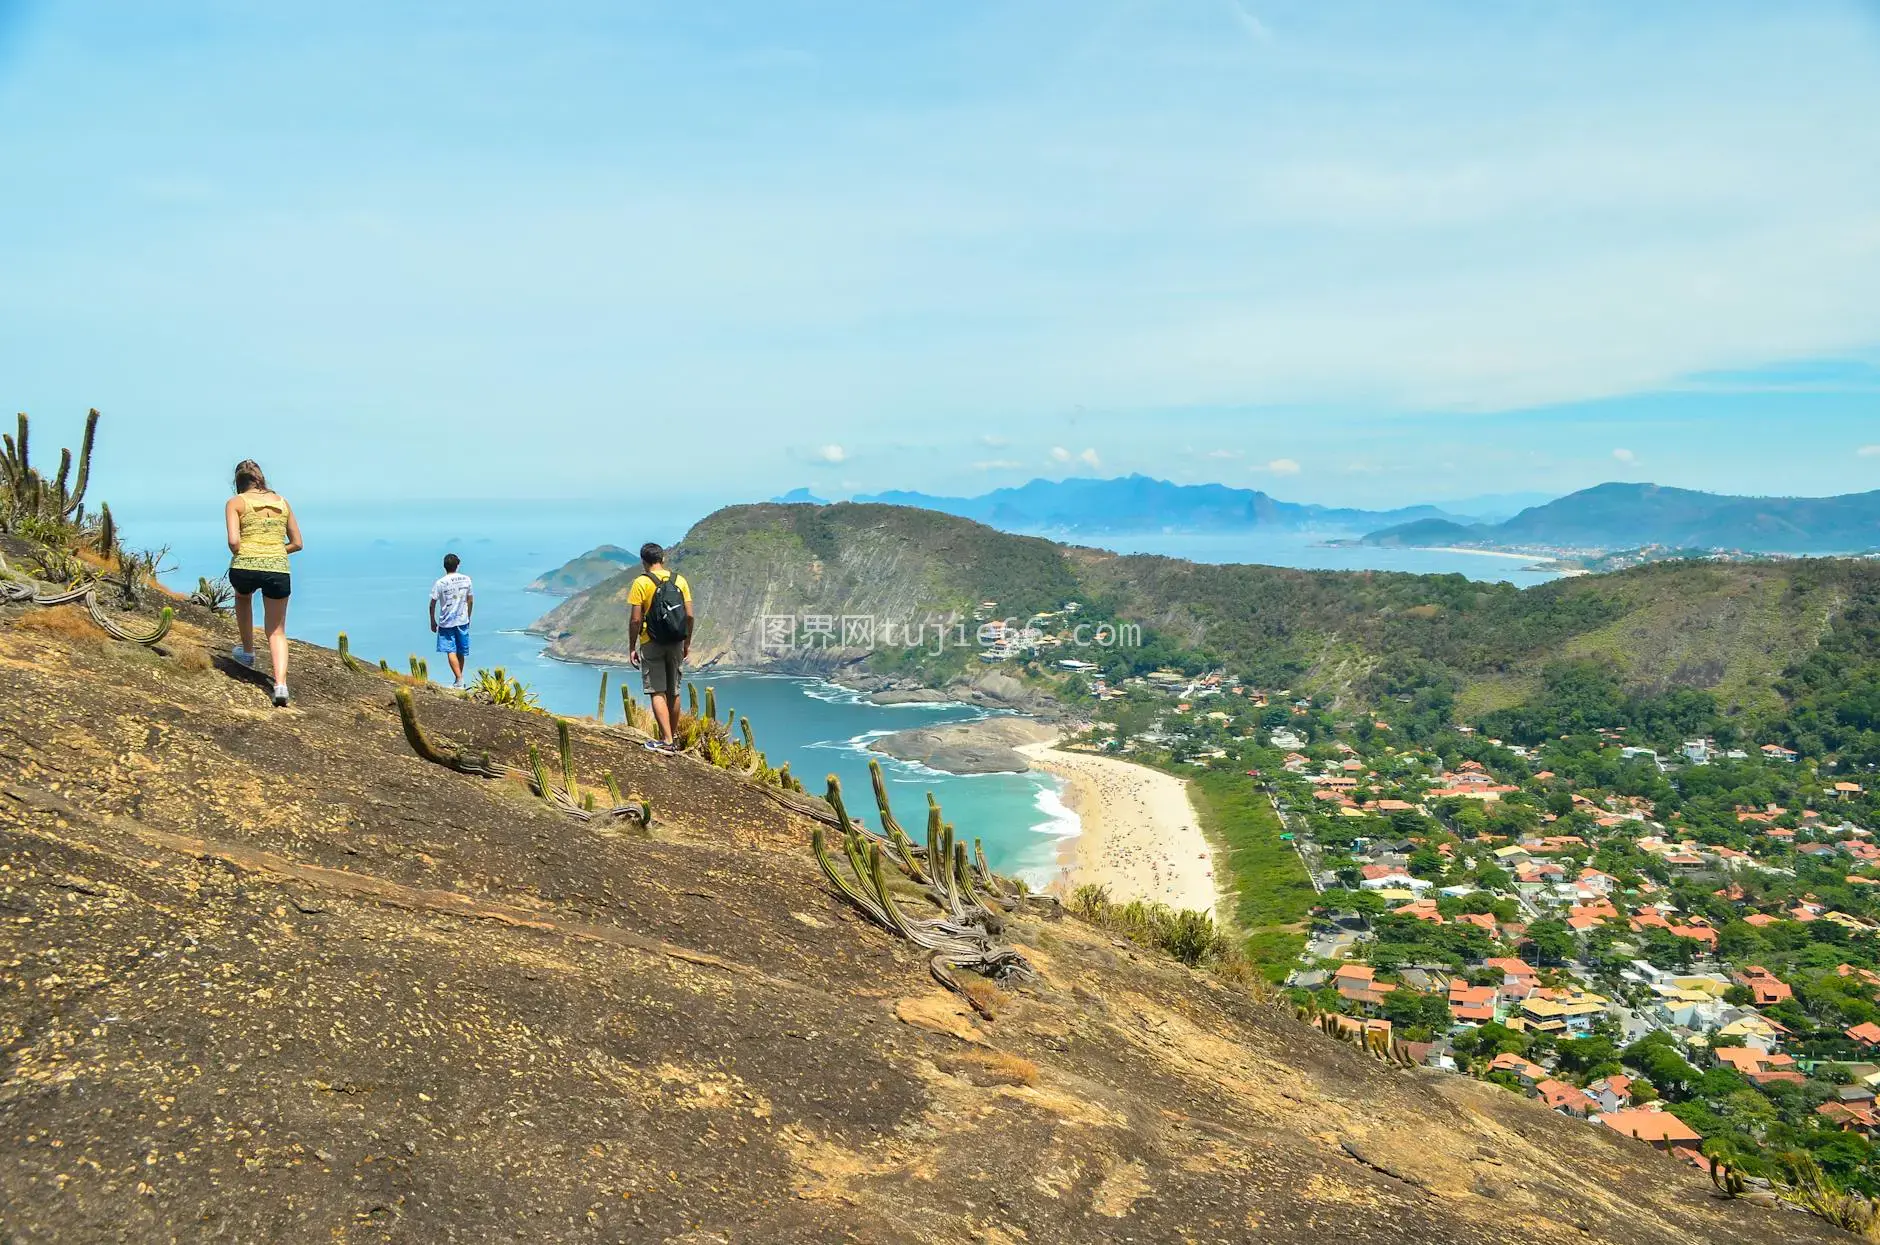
(659, 667)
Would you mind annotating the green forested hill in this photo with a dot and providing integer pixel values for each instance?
(1748, 636)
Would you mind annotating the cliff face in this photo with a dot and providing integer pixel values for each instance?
(271, 976)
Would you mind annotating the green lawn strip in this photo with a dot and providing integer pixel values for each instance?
(1272, 894)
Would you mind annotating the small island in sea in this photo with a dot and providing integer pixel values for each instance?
(578, 574)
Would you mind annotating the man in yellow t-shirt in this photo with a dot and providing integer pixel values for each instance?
(659, 630)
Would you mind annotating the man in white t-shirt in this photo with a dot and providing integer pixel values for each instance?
(451, 605)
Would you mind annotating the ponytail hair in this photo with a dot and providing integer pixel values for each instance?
(248, 477)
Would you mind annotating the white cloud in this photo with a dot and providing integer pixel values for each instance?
(998, 464)
(1065, 458)
(1223, 454)
(1256, 29)
(1283, 467)
(1869, 451)
(993, 440)
(832, 454)
(1625, 456)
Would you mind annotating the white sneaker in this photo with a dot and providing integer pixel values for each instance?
(280, 695)
(245, 656)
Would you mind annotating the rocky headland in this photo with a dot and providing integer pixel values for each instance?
(983, 746)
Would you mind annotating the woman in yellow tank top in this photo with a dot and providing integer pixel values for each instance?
(262, 531)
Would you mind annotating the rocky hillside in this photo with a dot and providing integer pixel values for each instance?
(1727, 628)
(269, 975)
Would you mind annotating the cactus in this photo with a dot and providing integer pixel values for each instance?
(29, 492)
(420, 742)
(835, 802)
(750, 736)
(613, 788)
(424, 668)
(691, 699)
(600, 707)
(1729, 1180)
(107, 533)
(564, 743)
(384, 665)
(711, 704)
(414, 665)
(540, 773)
(346, 658)
(70, 505)
(587, 801)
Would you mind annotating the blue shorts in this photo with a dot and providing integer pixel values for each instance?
(454, 640)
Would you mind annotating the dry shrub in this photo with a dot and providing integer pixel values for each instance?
(992, 1067)
(68, 622)
(190, 658)
(982, 992)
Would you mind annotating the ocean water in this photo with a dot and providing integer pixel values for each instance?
(367, 572)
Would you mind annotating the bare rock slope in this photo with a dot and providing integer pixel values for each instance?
(268, 975)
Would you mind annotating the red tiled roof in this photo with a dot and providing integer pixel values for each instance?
(1648, 1125)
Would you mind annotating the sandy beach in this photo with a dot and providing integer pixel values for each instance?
(1140, 837)
(1485, 553)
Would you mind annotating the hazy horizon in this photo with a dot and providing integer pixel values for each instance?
(1355, 254)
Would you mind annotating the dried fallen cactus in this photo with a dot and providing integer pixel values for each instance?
(26, 591)
(964, 935)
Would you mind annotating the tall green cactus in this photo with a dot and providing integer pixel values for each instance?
(750, 737)
(691, 699)
(600, 708)
(711, 704)
(613, 788)
(539, 772)
(77, 497)
(107, 532)
(414, 665)
(834, 797)
(564, 741)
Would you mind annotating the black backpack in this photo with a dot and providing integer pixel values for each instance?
(665, 613)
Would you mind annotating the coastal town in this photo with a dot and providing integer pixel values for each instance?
(1674, 938)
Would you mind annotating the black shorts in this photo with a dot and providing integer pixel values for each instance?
(274, 585)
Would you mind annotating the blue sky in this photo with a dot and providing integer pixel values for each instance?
(1351, 253)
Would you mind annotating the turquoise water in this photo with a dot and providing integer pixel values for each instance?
(369, 574)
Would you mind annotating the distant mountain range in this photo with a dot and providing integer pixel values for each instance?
(1138, 503)
(1626, 516)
